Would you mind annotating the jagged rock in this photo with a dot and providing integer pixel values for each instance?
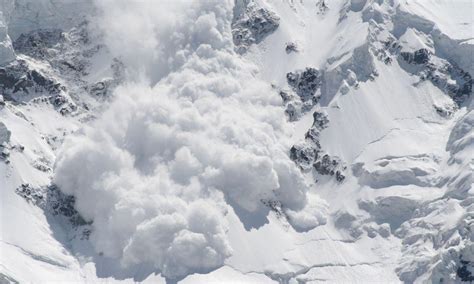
(252, 26)
(463, 271)
(305, 83)
(19, 77)
(322, 6)
(53, 201)
(320, 120)
(293, 111)
(339, 176)
(37, 43)
(445, 110)
(291, 47)
(451, 79)
(285, 96)
(303, 155)
(447, 76)
(421, 56)
(308, 154)
(326, 165)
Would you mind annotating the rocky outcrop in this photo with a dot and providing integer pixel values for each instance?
(52, 201)
(18, 79)
(421, 56)
(251, 25)
(305, 83)
(7, 54)
(304, 93)
(291, 47)
(309, 155)
(38, 43)
(447, 76)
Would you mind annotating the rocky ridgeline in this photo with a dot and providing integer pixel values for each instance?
(51, 68)
(308, 154)
(251, 24)
(39, 43)
(447, 76)
(304, 95)
(18, 79)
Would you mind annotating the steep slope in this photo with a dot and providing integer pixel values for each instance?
(255, 141)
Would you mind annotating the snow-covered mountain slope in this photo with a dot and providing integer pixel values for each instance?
(254, 141)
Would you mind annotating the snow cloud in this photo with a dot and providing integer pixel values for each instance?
(192, 131)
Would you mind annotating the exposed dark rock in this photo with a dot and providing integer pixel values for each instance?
(252, 26)
(274, 206)
(322, 6)
(285, 96)
(292, 111)
(52, 201)
(451, 79)
(18, 77)
(304, 155)
(421, 56)
(463, 272)
(326, 165)
(445, 111)
(291, 47)
(37, 43)
(340, 177)
(309, 154)
(320, 120)
(305, 83)
(448, 77)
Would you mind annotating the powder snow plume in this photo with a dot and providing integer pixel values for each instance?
(191, 134)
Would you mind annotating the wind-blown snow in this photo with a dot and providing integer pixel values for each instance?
(156, 173)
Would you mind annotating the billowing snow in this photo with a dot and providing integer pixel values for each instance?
(172, 145)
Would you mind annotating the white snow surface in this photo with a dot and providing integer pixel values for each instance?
(183, 173)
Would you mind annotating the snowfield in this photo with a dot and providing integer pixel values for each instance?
(246, 141)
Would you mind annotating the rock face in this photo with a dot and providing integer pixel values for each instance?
(252, 25)
(309, 155)
(445, 75)
(305, 83)
(18, 79)
(291, 47)
(304, 94)
(421, 56)
(53, 201)
(36, 43)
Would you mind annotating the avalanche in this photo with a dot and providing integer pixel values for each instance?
(236, 141)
